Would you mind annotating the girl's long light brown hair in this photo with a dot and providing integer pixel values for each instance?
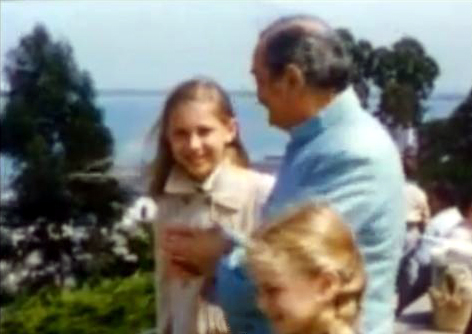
(312, 238)
(201, 90)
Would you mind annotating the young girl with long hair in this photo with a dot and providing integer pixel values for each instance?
(199, 178)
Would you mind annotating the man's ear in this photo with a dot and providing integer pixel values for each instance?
(294, 77)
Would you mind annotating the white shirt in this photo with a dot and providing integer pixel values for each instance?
(462, 232)
(438, 229)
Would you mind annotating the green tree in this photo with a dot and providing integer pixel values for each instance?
(446, 147)
(53, 131)
(362, 53)
(50, 109)
(405, 74)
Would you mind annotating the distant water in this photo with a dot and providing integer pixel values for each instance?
(131, 116)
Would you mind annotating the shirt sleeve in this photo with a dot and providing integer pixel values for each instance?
(234, 286)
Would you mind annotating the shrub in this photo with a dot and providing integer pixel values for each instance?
(118, 306)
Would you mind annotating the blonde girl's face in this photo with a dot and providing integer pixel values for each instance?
(289, 299)
(198, 138)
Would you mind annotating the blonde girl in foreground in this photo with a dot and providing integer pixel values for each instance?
(309, 273)
(200, 178)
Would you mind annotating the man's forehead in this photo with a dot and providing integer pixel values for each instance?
(257, 54)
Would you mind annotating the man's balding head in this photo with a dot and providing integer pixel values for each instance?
(310, 44)
(303, 22)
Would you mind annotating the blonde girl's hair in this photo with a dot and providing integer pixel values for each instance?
(312, 238)
(199, 89)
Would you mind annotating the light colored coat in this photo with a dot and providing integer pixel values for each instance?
(231, 197)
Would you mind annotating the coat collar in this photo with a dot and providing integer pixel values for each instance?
(344, 104)
(220, 186)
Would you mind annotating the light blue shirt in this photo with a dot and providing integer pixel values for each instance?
(344, 157)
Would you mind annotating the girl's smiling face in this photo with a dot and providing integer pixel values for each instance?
(198, 138)
(291, 299)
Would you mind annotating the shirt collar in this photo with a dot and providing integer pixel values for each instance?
(219, 186)
(338, 109)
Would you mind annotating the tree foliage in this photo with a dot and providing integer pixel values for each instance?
(446, 147)
(119, 306)
(51, 113)
(53, 131)
(403, 73)
(362, 53)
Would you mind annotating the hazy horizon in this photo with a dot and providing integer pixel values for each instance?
(150, 91)
(154, 45)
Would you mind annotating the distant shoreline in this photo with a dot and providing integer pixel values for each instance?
(156, 92)
(145, 92)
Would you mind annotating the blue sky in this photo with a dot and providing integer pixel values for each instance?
(155, 44)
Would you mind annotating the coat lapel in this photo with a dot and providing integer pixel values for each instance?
(220, 187)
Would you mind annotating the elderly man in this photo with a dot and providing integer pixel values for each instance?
(337, 153)
(446, 224)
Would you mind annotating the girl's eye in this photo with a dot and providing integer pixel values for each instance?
(271, 289)
(180, 133)
(204, 131)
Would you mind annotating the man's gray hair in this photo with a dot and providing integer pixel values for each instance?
(313, 46)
